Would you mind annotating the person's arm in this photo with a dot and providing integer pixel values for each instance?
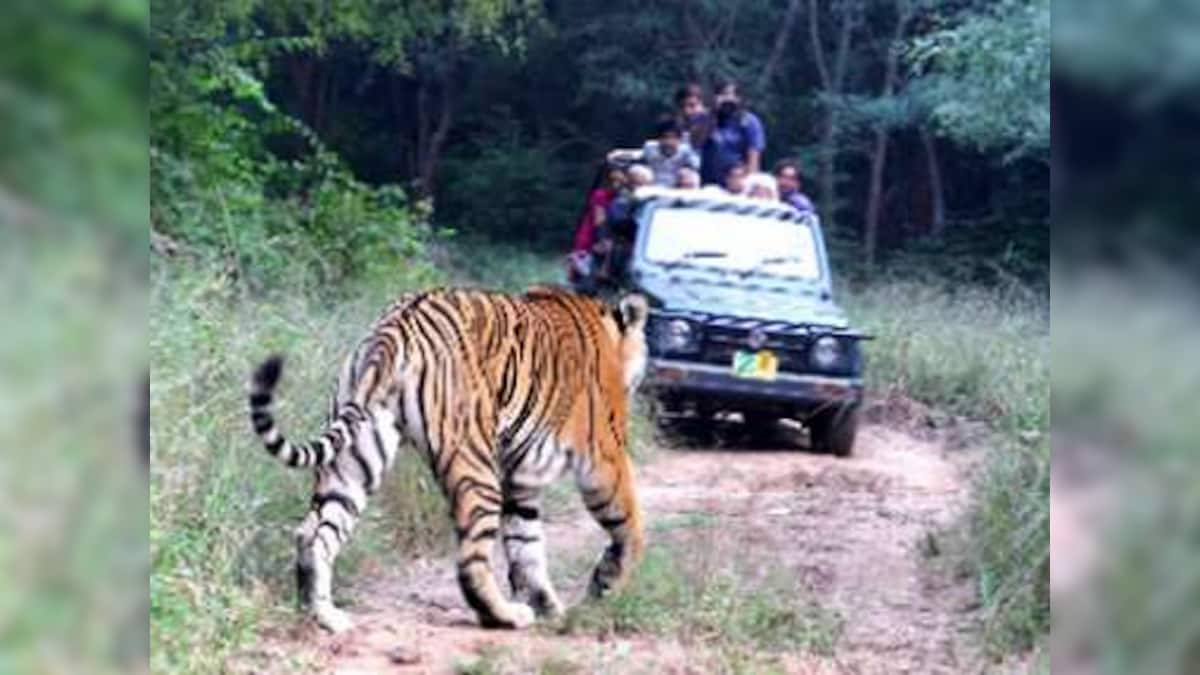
(626, 154)
(691, 158)
(753, 159)
(757, 138)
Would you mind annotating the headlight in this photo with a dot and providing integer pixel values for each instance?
(677, 335)
(826, 352)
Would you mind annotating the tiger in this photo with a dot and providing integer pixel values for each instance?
(501, 394)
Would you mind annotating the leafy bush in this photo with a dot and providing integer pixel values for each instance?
(220, 185)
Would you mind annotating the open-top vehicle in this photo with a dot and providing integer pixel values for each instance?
(743, 318)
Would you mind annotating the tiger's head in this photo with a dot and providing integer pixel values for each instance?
(629, 315)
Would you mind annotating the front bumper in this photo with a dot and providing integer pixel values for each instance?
(718, 385)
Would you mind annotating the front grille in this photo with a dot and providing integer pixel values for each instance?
(721, 342)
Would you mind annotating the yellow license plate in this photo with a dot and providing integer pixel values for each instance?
(760, 365)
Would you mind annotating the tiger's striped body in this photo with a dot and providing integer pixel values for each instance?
(501, 394)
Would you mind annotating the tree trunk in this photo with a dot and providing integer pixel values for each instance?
(437, 139)
(832, 81)
(936, 191)
(781, 42)
(875, 198)
(882, 137)
(435, 117)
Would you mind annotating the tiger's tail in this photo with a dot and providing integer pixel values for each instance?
(339, 433)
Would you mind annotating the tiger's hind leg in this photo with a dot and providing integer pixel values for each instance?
(475, 501)
(525, 547)
(337, 505)
(609, 494)
(319, 539)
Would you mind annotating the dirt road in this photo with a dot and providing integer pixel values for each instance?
(851, 534)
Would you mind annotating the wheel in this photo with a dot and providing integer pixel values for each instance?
(833, 430)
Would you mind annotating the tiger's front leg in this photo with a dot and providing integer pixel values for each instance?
(610, 496)
(525, 547)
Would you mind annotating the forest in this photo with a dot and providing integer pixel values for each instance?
(923, 127)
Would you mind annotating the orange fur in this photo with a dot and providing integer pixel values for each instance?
(502, 394)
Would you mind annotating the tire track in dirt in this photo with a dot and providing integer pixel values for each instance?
(849, 532)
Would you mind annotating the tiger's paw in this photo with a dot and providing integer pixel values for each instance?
(546, 604)
(521, 615)
(333, 619)
(514, 615)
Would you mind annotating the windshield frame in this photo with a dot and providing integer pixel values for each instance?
(776, 211)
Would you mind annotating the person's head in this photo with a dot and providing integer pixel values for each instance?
(614, 178)
(669, 135)
(640, 175)
(761, 186)
(787, 175)
(687, 179)
(735, 178)
(728, 98)
(689, 100)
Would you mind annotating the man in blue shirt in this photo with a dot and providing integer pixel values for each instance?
(737, 136)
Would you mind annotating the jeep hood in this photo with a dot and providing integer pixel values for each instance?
(769, 299)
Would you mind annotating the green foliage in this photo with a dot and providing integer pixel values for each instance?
(1131, 411)
(73, 135)
(217, 185)
(989, 77)
(1137, 51)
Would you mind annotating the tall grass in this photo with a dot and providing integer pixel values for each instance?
(982, 354)
(979, 353)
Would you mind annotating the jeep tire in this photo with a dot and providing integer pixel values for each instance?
(833, 429)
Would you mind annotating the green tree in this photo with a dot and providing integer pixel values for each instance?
(989, 78)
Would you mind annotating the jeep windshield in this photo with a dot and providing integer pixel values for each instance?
(735, 242)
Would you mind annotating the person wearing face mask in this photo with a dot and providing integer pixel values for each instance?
(737, 136)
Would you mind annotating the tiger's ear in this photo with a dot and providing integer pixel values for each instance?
(631, 313)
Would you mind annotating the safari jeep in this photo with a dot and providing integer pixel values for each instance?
(742, 313)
